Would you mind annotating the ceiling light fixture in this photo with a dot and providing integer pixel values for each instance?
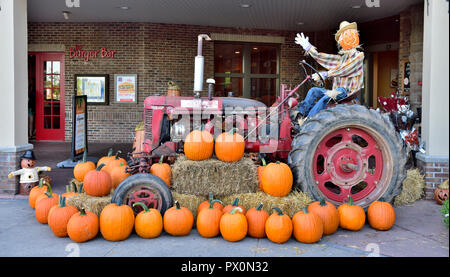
(356, 7)
(300, 23)
(124, 8)
(245, 5)
(66, 15)
(237, 52)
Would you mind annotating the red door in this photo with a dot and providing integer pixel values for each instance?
(50, 96)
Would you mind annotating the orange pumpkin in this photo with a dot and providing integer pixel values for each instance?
(308, 227)
(199, 145)
(162, 170)
(83, 167)
(44, 196)
(277, 179)
(233, 225)
(83, 226)
(351, 217)
(178, 221)
(278, 226)
(229, 146)
(256, 218)
(205, 204)
(70, 192)
(97, 182)
(116, 222)
(235, 204)
(113, 163)
(349, 39)
(328, 213)
(208, 220)
(148, 223)
(59, 216)
(107, 158)
(118, 174)
(260, 171)
(381, 215)
(43, 205)
(37, 191)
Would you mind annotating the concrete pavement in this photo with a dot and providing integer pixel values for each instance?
(418, 232)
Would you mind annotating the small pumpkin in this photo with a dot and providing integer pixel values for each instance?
(260, 171)
(205, 204)
(199, 145)
(97, 182)
(178, 220)
(113, 163)
(148, 223)
(116, 222)
(83, 226)
(441, 192)
(43, 205)
(71, 190)
(208, 220)
(118, 174)
(328, 213)
(278, 226)
(83, 167)
(233, 225)
(381, 215)
(59, 216)
(235, 204)
(229, 146)
(36, 191)
(162, 170)
(308, 227)
(277, 179)
(107, 158)
(44, 196)
(256, 218)
(351, 217)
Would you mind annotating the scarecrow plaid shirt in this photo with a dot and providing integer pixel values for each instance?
(346, 69)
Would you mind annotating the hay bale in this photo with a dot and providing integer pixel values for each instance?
(412, 188)
(212, 175)
(290, 204)
(90, 203)
(189, 201)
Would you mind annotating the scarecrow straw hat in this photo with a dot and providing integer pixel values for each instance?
(345, 25)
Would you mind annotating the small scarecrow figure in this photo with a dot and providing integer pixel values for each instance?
(346, 70)
(29, 173)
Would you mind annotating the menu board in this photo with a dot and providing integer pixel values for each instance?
(79, 126)
(125, 88)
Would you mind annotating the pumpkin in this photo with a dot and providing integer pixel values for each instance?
(260, 171)
(205, 204)
(44, 196)
(162, 170)
(208, 220)
(229, 146)
(233, 225)
(118, 174)
(44, 203)
(277, 179)
(278, 226)
(70, 192)
(349, 39)
(256, 218)
(113, 163)
(235, 204)
(148, 223)
(351, 217)
(83, 167)
(328, 213)
(116, 222)
(441, 192)
(308, 227)
(97, 182)
(178, 221)
(37, 191)
(199, 145)
(107, 158)
(381, 215)
(83, 226)
(59, 216)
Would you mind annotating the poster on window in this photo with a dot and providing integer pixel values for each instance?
(125, 88)
(94, 86)
(79, 132)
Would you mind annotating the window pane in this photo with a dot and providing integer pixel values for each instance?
(56, 66)
(47, 122)
(47, 81)
(55, 81)
(56, 122)
(263, 59)
(227, 84)
(264, 90)
(47, 94)
(47, 108)
(56, 95)
(48, 67)
(55, 108)
(228, 58)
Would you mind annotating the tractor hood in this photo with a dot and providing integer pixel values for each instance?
(233, 102)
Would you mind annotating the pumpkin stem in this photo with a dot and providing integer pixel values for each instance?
(82, 212)
(117, 155)
(67, 188)
(211, 203)
(80, 190)
(263, 162)
(278, 162)
(278, 210)
(235, 202)
(49, 195)
(259, 207)
(84, 156)
(233, 211)
(62, 201)
(350, 200)
(322, 202)
(177, 204)
(232, 131)
(142, 205)
(74, 186)
(110, 152)
(210, 198)
(305, 210)
(161, 159)
(100, 167)
(41, 182)
(49, 188)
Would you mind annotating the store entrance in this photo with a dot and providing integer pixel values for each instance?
(46, 96)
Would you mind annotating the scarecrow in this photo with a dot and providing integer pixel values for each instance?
(346, 70)
(29, 173)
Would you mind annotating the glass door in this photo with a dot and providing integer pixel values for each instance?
(50, 96)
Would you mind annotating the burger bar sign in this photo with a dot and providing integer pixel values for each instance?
(79, 53)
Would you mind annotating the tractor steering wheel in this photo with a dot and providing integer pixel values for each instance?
(303, 68)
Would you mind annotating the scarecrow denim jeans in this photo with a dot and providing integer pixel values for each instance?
(308, 108)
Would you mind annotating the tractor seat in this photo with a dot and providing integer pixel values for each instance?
(352, 99)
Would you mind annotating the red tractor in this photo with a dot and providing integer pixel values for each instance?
(346, 149)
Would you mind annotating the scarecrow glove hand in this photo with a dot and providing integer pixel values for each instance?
(303, 41)
(10, 175)
(332, 93)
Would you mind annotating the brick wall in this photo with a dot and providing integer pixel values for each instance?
(435, 173)
(9, 162)
(156, 52)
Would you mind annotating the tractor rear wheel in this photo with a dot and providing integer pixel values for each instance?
(348, 150)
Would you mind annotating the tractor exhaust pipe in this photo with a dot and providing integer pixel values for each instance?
(199, 66)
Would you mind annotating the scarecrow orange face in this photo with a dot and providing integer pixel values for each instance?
(349, 39)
